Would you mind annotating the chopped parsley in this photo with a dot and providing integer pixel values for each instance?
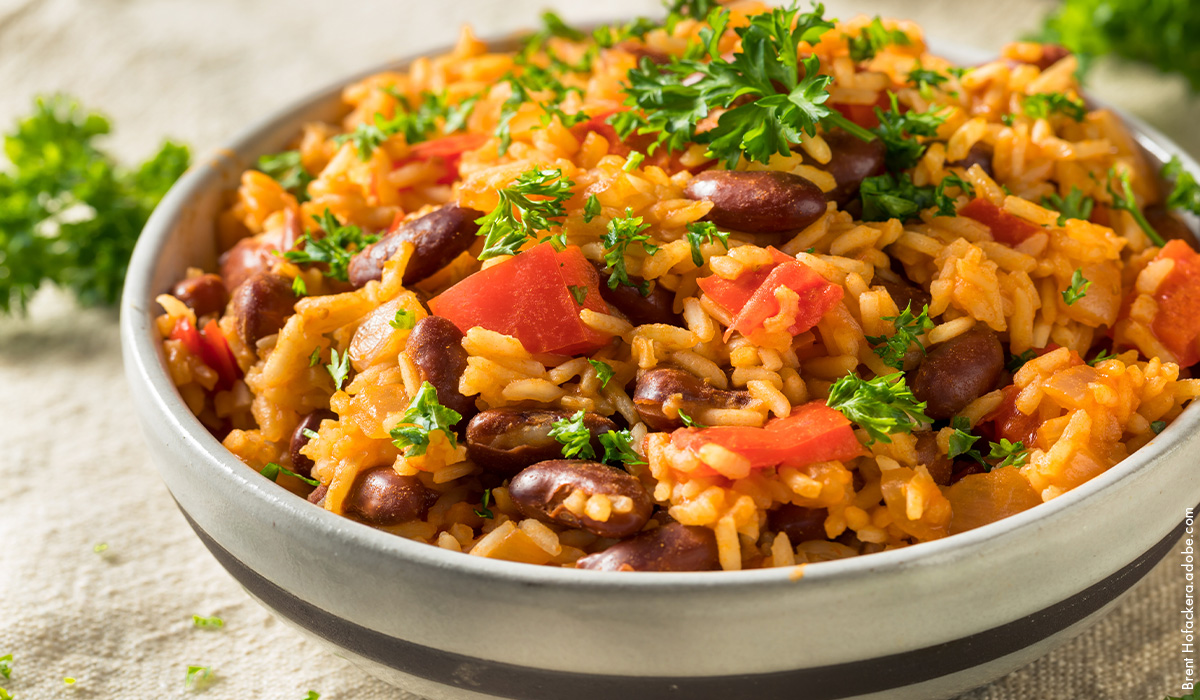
(533, 202)
(1158, 426)
(591, 209)
(312, 695)
(334, 249)
(574, 436)
(286, 169)
(404, 320)
(1010, 454)
(1078, 288)
(299, 288)
(339, 368)
(891, 196)
(1186, 192)
(1044, 104)
(1101, 356)
(690, 422)
(908, 329)
(622, 233)
(6, 665)
(198, 677)
(533, 79)
(618, 448)
(425, 415)
(1016, 362)
(1126, 201)
(272, 472)
(635, 159)
(69, 214)
(926, 80)
(207, 622)
(484, 511)
(610, 35)
(1073, 206)
(962, 441)
(604, 371)
(415, 124)
(700, 232)
(882, 406)
(696, 9)
(315, 358)
(578, 292)
(780, 95)
(874, 37)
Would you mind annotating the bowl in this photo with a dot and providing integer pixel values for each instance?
(925, 622)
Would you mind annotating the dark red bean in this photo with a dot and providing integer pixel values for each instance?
(540, 489)
(435, 347)
(261, 305)
(506, 440)
(300, 464)
(758, 202)
(939, 465)
(205, 294)
(656, 307)
(964, 467)
(318, 494)
(800, 524)
(981, 155)
(672, 547)
(958, 371)
(438, 238)
(904, 294)
(1051, 54)
(250, 256)
(853, 161)
(380, 496)
(686, 392)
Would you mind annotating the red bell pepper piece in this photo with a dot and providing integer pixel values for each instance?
(1177, 322)
(813, 432)
(448, 148)
(1006, 228)
(211, 348)
(864, 115)
(186, 332)
(530, 298)
(1005, 421)
(600, 125)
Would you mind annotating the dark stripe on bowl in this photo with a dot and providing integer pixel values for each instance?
(820, 683)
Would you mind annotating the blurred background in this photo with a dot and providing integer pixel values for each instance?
(73, 471)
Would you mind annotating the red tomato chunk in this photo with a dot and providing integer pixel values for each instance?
(812, 433)
(529, 297)
(1006, 228)
(1177, 322)
(211, 348)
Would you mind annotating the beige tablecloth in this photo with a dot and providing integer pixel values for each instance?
(73, 468)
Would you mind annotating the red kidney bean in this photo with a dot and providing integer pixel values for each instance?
(300, 464)
(853, 161)
(438, 238)
(540, 489)
(904, 294)
(506, 440)
(657, 386)
(250, 256)
(261, 305)
(205, 294)
(939, 465)
(800, 524)
(380, 496)
(318, 494)
(435, 347)
(656, 307)
(958, 371)
(672, 547)
(981, 155)
(758, 202)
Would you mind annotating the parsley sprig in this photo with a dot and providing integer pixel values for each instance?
(1010, 454)
(604, 371)
(273, 470)
(899, 132)
(286, 169)
(1125, 200)
(882, 406)
(533, 202)
(1042, 105)
(334, 249)
(701, 232)
(6, 665)
(618, 448)
(1073, 206)
(962, 441)
(574, 436)
(425, 415)
(908, 329)
(623, 232)
(926, 80)
(434, 114)
(1078, 288)
(873, 38)
(891, 196)
(339, 367)
(1185, 194)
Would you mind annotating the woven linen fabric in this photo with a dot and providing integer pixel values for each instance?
(75, 473)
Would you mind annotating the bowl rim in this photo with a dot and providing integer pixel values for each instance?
(147, 372)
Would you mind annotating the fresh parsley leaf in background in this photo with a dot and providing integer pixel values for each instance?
(6, 665)
(312, 695)
(532, 203)
(425, 415)
(1073, 206)
(1186, 192)
(622, 233)
(700, 232)
(435, 114)
(574, 436)
(909, 328)
(69, 214)
(925, 80)
(1078, 288)
(874, 37)
(209, 623)
(198, 677)
(286, 169)
(1161, 33)
(881, 406)
(1042, 105)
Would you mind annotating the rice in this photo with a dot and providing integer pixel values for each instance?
(695, 448)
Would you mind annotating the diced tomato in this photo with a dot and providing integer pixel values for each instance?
(211, 348)
(813, 432)
(1005, 421)
(449, 149)
(1177, 322)
(529, 298)
(751, 297)
(600, 125)
(864, 115)
(1006, 228)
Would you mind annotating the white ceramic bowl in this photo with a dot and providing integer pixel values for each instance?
(926, 622)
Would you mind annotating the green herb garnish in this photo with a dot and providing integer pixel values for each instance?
(334, 249)
(425, 415)
(1011, 454)
(578, 292)
(618, 448)
(1158, 426)
(690, 422)
(700, 232)
(315, 358)
(299, 288)
(899, 131)
(533, 202)
(962, 441)
(925, 80)
(874, 37)
(622, 233)
(908, 330)
(1044, 104)
(484, 511)
(339, 367)
(574, 436)
(207, 622)
(1186, 192)
(416, 124)
(273, 470)
(1078, 288)
(890, 196)
(6, 665)
(1073, 206)
(1126, 201)
(1101, 357)
(1016, 362)
(591, 209)
(286, 169)
(404, 320)
(198, 677)
(604, 371)
(881, 406)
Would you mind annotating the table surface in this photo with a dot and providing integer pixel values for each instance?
(73, 468)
